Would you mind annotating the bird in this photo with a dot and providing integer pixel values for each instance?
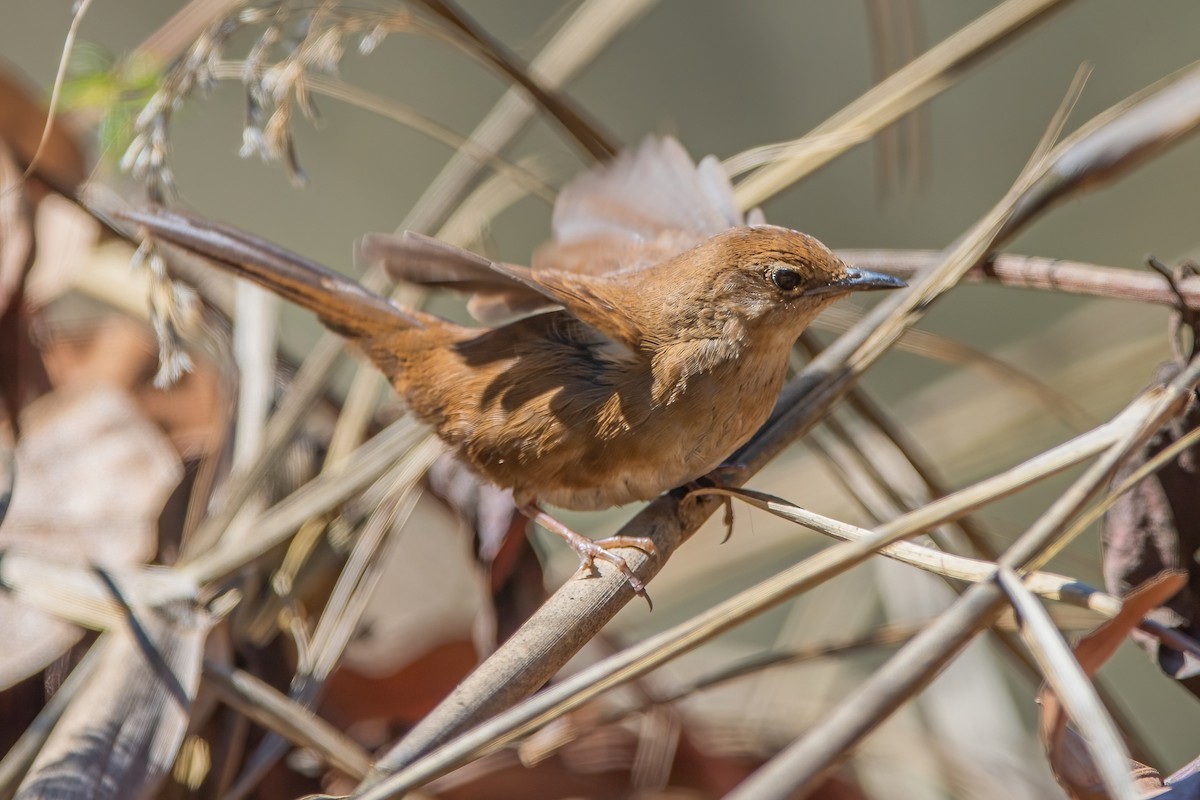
(649, 339)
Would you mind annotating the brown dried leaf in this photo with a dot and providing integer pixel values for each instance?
(429, 594)
(16, 230)
(92, 476)
(66, 240)
(121, 352)
(1156, 526)
(119, 737)
(22, 117)
(515, 574)
(16, 257)
(1069, 756)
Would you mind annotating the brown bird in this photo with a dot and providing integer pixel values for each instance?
(663, 349)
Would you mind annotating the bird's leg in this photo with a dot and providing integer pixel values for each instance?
(591, 549)
(721, 477)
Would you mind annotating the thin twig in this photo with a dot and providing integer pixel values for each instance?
(588, 31)
(908, 88)
(277, 712)
(1072, 686)
(60, 76)
(948, 565)
(1034, 272)
(573, 614)
(639, 659)
(799, 768)
(585, 131)
(276, 524)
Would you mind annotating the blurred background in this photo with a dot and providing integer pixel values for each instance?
(725, 77)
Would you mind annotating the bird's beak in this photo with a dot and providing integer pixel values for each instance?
(858, 280)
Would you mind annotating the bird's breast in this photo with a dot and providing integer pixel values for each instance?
(565, 424)
(689, 430)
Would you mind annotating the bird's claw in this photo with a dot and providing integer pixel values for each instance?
(591, 549)
(721, 477)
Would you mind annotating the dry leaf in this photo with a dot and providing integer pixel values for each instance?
(429, 595)
(1069, 756)
(119, 737)
(22, 118)
(1156, 526)
(16, 257)
(66, 240)
(121, 352)
(517, 582)
(92, 476)
(16, 231)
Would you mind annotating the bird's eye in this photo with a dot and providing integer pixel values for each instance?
(787, 279)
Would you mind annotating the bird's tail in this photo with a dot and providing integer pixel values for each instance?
(341, 303)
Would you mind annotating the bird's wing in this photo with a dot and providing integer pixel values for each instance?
(643, 208)
(426, 261)
(431, 262)
(586, 298)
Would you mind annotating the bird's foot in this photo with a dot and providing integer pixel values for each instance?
(721, 477)
(591, 549)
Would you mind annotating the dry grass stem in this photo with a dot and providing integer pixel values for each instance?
(286, 717)
(119, 736)
(1033, 272)
(255, 334)
(390, 109)
(1152, 465)
(83, 593)
(801, 766)
(276, 524)
(893, 633)
(19, 758)
(1063, 673)
(540, 648)
(584, 35)
(310, 565)
(562, 109)
(1115, 141)
(948, 565)
(469, 221)
(77, 15)
(887, 486)
(340, 618)
(912, 456)
(934, 71)
(637, 660)
(948, 351)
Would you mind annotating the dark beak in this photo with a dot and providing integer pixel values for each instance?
(859, 280)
